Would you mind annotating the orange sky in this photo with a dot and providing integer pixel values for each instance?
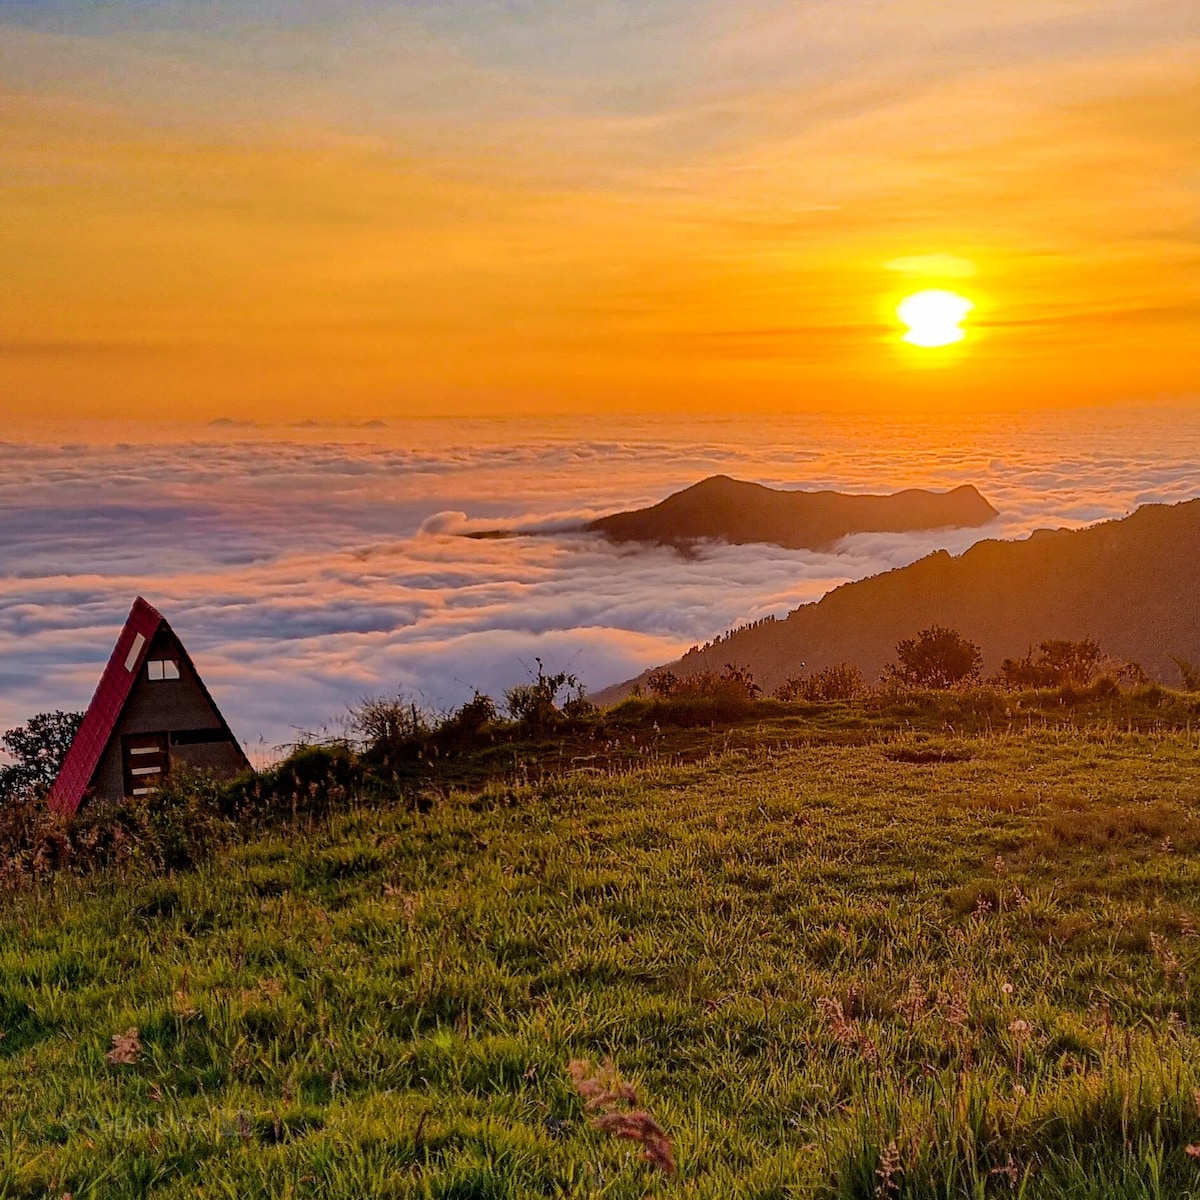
(357, 210)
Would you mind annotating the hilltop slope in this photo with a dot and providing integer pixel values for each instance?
(1134, 584)
(734, 511)
(798, 954)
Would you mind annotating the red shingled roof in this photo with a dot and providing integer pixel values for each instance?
(105, 709)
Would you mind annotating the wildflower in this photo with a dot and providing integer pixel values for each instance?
(126, 1047)
(886, 1172)
(184, 1008)
(615, 1104)
(843, 1027)
(1192, 1151)
(1167, 959)
(1021, 1032)
(1007, 988)
(999, 865)
(1009, 1170)
(641, 1127)
(602, 1089)
(953, 1003)
(912, 1004)
(983, 906)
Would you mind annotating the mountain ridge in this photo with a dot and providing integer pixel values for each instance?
(1133, 583)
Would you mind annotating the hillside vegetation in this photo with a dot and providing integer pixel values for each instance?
(1133, 585)
(935, 948)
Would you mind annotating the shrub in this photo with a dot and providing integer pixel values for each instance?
(175, 827)
(312, 780)
(1189, 673)
(388, 726)
(534, 705)
(1058, 663)
(465, 724)
(936, 658)
(739, 680)
(842, 682)
(702, 698)
(662, 683)
(580, 709)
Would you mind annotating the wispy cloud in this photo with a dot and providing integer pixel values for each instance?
(284, 209)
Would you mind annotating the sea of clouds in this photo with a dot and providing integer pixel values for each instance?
(306, 569)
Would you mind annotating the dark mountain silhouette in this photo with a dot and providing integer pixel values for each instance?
(1133, 584)
(731, 510)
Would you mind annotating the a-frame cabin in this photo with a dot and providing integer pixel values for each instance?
(150, 711)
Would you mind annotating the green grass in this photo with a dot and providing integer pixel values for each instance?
(801, 952)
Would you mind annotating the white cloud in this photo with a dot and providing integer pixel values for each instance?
(303, 576)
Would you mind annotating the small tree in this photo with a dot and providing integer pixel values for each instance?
(1058, 662)
(662, 683)
(1072, 662)
(935, 658)
(37, 749)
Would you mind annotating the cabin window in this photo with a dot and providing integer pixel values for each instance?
(162, 668)
(134, 651)
(146, 760)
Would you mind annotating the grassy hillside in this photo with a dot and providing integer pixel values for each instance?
(926, 964)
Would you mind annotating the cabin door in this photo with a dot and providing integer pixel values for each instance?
(146, 762)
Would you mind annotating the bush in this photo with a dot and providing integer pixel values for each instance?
(662, 683)
(534, 705)
(388, 727)
(311, 781)
(1189, 673)
(176, 827)
(843, 682)
(703, 698)
(936, 658)
(1058, 663)
(464, 726)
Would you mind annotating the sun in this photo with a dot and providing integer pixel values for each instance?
(934, 318)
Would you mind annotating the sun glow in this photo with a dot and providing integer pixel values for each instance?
(934, 318)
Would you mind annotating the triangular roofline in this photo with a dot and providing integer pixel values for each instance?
(187, 658)
(95, 732)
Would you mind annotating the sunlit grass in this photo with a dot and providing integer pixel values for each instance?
(958, 964)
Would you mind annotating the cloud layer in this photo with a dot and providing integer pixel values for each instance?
(304, 575)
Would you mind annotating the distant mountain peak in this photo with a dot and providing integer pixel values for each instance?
(737, 511)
